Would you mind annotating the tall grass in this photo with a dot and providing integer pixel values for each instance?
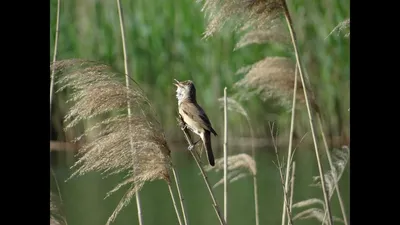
(258, 18)
(121, 129)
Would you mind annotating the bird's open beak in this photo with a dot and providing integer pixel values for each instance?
(177, 83)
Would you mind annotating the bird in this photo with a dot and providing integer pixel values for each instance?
(194, 116)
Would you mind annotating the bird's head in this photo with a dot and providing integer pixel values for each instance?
(185, 90)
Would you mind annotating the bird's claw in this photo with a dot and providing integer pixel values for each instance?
(193, 144)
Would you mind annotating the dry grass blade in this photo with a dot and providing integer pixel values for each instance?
(239, 166)
(340, 158)
(308, 202)
(254, 14)
(340, 28)
(272, 77)
(96, 92)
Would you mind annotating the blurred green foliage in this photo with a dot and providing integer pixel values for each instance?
(164, 41)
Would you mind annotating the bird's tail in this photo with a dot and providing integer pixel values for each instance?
(207, 146)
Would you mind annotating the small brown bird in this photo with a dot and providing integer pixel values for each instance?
(194, 116)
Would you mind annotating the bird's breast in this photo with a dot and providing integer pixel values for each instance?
(192, 124)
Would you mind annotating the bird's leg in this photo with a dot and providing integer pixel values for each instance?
(181, 123)
(184, 126)
(192, 145)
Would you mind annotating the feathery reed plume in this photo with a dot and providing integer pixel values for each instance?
(215, 205)
(274, 34)
(238, 166)
(56, 217)
(55, 51)
(332, 166)
(127, 76)
(340, 28)
(280, 166)
(247, 14)
(235, 106)
(340, 159)
(290, 145)
(96, 91)
(315, 213)
(272, 77)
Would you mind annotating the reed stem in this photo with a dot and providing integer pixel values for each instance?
(121, 22)
(55, 53)
(292, 187)
(225, 157)
(181, 199)
(289, 156)
(174, 203)
(310, 115)
(255, 188)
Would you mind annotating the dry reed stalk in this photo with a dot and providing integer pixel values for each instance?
(121, 22)
(189, 141)
(307, 99)
(288, 164)
(171, 193)
(185, 217)
(255, 190)
(55, 52)
(53, 207)
(225, 158)
(235, 106)
(292, 186)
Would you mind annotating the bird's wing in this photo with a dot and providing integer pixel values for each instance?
(195, 112)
